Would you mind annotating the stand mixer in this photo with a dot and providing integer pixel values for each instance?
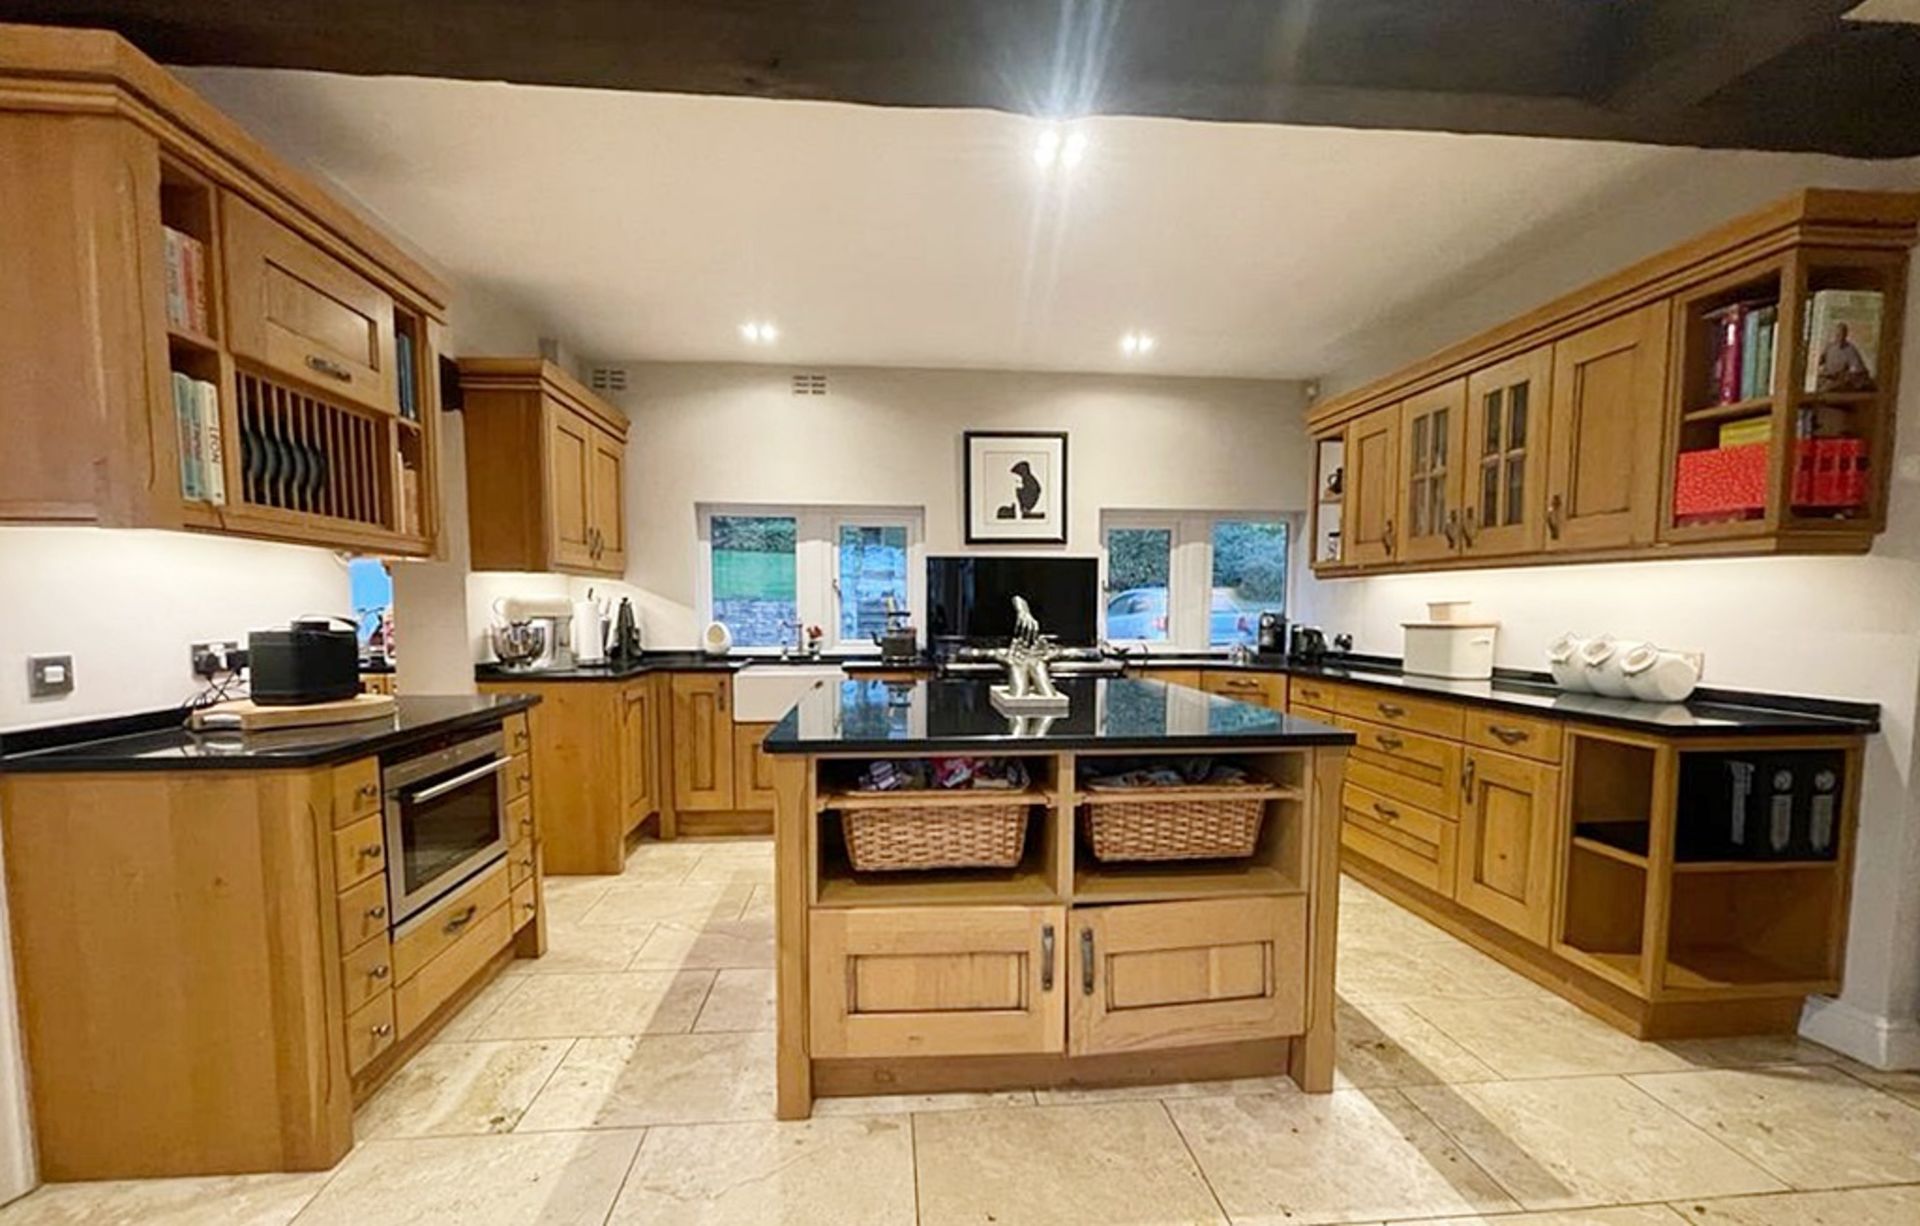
(526, 632)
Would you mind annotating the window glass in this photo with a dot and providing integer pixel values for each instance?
(754, 584)
(872, 566)
(1139, 562)
(1249, 578)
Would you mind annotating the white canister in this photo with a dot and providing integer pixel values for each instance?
(718, 640)
(1563, 660)
(1602, 658)
(1459, 651)
(1657, 675)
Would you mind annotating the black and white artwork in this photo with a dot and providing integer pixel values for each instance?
(1016, 488)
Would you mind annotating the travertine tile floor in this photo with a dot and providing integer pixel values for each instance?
(628, 1078)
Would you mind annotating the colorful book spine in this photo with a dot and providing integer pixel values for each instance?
(1727, 366)
(186, 277)
(185, 408)
(213, 477)
(403, 355)
(175, 249)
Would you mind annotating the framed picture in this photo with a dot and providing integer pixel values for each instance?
(1016, 487)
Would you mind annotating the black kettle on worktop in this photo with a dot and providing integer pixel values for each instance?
(623, 642)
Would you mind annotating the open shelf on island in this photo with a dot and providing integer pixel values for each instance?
(1096, 882)
(1033, 879)
(1743, 928)
(1625, 841)
(931, 799)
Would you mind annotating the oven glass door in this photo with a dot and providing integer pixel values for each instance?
(442, 828)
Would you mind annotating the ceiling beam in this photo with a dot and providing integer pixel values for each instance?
(1677, 53)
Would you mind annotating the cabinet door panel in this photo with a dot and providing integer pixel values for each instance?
(1373, 459)
(569, 488)
(1505, 483)
(1432, 443)
(1509, 828)
(702, 742)
(607, 517)
(639, 762)
(752, 769)
(1604, 437)
(1183, 974)
(936, 981)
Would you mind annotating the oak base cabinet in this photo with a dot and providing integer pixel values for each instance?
(1510, 834)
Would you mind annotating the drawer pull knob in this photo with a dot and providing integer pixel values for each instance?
(457, 922)
(380, 972)
(368, 791)
(530, 908)
(373, 851)
(329, 368)
(1046, 958)
(1391, 710)
(382, 1030)
(376, 913)
(1389, 743)
(1386, 810)
(1506, 735)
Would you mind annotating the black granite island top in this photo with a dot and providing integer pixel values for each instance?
(161, 742)
(958, 716)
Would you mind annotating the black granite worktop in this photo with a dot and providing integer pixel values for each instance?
(647, 662)
(958, 716)
(160, 741)
(1710, 712)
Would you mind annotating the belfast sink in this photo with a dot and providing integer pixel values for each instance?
(762, 693)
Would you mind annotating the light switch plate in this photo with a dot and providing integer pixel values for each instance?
(49, 676)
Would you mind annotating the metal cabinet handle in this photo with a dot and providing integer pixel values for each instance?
(376, 913)
(456, 923)
(1554, 511)
(1086, 962)
(1452, 529)
(1387, 742)
(1046, 958)
(1392, 710)
(1467, 521)
(489, 767)
(1386, 536)
(529, 907)
(329, 368)
(1506, 735)
(368, 791)
(1466, 782)
(380, 972)
(382, 1030)
(373, 849)
(1386, 810)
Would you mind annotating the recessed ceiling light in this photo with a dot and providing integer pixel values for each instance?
(756, 332)
(1059, 146)
(1136, 344)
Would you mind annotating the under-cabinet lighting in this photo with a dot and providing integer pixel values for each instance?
(755, 332)
(1137, 344)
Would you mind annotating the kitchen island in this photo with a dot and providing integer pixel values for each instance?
(1057, 967)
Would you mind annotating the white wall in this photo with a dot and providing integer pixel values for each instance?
(1834, 627)
(885, 437)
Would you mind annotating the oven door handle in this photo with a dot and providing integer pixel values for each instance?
(461, 780)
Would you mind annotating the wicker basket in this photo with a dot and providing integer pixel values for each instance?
(1124, 824)
(891, 839)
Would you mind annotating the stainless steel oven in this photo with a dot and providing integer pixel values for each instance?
(446, 813)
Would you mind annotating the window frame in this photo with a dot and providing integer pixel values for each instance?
(1189, 574)
(816, 566)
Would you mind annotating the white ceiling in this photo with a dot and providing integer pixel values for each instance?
(646, 226)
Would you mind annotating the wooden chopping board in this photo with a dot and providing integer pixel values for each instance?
(245, 715)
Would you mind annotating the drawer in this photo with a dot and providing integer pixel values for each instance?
(520, 863)
(363, 913)
(359, 852)
(1260, 689)
(1314, 713)
(520, 776)
(520, 820)
(356, 790)
(1305, 692)
(1405, 766)
(441, 979)
(1418, 846)
(1538, 739)
(425, 936)
(366, 972)
(525, 904)
(370, 1031)
(519, 733)
(1399, 710)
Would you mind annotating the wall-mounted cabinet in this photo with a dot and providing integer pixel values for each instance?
(546, 469)
(232, 350)
(1734, 395)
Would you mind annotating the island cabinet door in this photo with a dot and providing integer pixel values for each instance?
(937, 981)
(1509, 833)
(1186, 974)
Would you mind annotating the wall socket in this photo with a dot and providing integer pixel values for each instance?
(209, 660)
(49, 676)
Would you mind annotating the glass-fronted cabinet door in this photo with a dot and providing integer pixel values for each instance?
(1329, 503)
(1506, 461)
(1432, 430)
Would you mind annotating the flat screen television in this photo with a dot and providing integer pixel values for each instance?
(971, 598)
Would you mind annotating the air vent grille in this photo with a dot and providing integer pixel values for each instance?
(608, 378)
(809, 385)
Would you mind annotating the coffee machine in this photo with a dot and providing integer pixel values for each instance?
(1270, 639)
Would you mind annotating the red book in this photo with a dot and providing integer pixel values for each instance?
(1726, 369)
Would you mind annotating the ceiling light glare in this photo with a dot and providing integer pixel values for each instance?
(1136, 344)
(757, 333)
(1057, 146)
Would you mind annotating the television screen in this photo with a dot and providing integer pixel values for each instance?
(972, 597)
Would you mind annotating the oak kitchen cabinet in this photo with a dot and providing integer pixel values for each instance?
(1579, 417)
(305, 304)
(722, 781)
(546, 469)
(1509, 837)
(1260, 689)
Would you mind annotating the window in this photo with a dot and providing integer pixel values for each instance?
(1192, 580)
(767, 571)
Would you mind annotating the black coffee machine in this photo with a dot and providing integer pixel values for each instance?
(1309, 644)
(1271, 637)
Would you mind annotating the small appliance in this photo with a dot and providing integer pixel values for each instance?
(623, 641)
(528, 631)
(446, 817)
(518, 645)
(1309, 644)
(899, 643)
(1270, 639)
(1455, 650)
(312, 661)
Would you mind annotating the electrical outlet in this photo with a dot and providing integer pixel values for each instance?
(49, 676)
(209, 660)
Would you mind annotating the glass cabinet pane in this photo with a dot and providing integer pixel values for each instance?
(1517, 416)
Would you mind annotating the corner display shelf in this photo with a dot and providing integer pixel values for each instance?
(235, 351)
(1633, 441)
